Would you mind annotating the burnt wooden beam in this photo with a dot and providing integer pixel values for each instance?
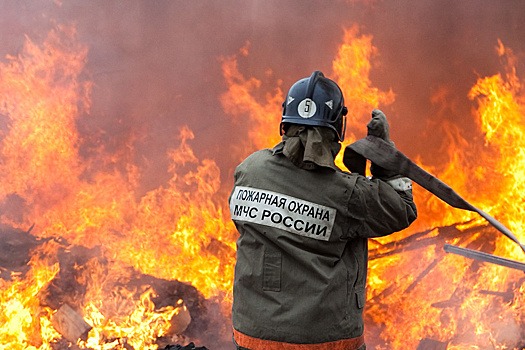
(462, 290)
(427, 238)
(425, 272)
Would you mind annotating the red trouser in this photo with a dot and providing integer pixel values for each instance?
(245, 342)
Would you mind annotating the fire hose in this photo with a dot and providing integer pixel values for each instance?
(387, 156)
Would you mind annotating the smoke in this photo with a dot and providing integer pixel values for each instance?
(156, 65)
(428, 47)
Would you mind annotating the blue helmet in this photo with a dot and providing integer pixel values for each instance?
(315, 101)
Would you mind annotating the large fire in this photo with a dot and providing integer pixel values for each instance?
(69, 199)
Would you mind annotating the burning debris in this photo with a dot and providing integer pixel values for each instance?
(148, 263)
(430, 280)
(136, 312)
(133, 266)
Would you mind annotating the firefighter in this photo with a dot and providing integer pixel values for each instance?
(301, 266)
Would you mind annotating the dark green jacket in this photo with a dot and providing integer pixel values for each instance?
(301, 264)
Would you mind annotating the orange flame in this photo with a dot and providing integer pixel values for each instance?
(242, 99)
(492, 177)
(501, 112)
(181, 231)
(176, 232)
(24, 321)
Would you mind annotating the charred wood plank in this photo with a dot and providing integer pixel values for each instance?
(425, 272)
(507, 296)
(70, 324)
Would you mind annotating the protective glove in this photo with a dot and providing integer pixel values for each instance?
(379, 127)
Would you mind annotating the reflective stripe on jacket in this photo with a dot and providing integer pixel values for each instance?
(301, 264)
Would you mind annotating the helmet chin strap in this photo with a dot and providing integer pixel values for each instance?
(343, 128)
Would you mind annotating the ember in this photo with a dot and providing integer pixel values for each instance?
(117, 149)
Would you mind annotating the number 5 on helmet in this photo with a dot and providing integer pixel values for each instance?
(315, 101)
